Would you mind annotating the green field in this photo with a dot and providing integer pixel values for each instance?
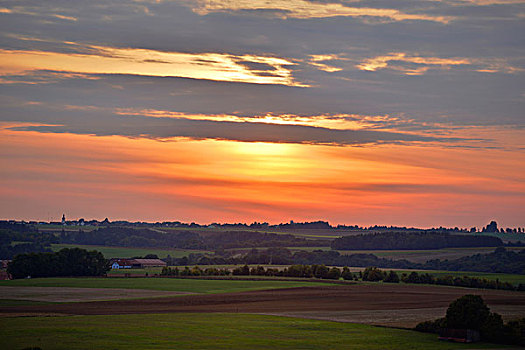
(208, 331)
(167, 284)
(149, 270)
(125, 252)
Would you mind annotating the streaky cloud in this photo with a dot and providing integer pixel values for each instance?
(304, 9)
(165, 129)
(110, 60)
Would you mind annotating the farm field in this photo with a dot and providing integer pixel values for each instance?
(159, 284)
(126, 252)
(208, 331)
(68, 294)
(378, 304)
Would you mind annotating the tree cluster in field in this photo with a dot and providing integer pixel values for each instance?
(18, 238)
(412, 241)
(471, 312)
(66, 262)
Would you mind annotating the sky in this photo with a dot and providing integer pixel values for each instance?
(387, 112)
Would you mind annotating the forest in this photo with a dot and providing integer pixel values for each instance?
(413, 240)
(132, 237)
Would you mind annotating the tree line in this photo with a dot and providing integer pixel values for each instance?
(412, 241)
(371, 274)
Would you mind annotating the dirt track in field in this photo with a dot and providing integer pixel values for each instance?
(394, 305)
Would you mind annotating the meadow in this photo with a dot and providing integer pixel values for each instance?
(208, 331)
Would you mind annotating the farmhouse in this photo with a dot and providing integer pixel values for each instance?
(136, 263)
(122, 263)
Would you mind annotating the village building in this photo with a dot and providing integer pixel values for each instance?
(122, 263)
(136, 263)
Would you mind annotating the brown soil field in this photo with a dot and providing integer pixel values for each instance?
(66, 294)
(383, 304)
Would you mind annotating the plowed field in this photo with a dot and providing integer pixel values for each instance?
(399, 305)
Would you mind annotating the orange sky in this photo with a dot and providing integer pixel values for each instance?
(227, 181)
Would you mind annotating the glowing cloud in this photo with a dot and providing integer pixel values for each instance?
(382, 62)
(316, 61)
(306, 9)
(109, 60)
(337, 122)
(423, 64)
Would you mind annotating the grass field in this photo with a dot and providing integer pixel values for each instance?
(208, 331)
(149, 270)
(166, 284)
(125, 252)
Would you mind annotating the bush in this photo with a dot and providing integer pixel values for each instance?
(392, 277)
(467, 312)
(373, 274)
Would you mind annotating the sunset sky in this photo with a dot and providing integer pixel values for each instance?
(388, 112)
